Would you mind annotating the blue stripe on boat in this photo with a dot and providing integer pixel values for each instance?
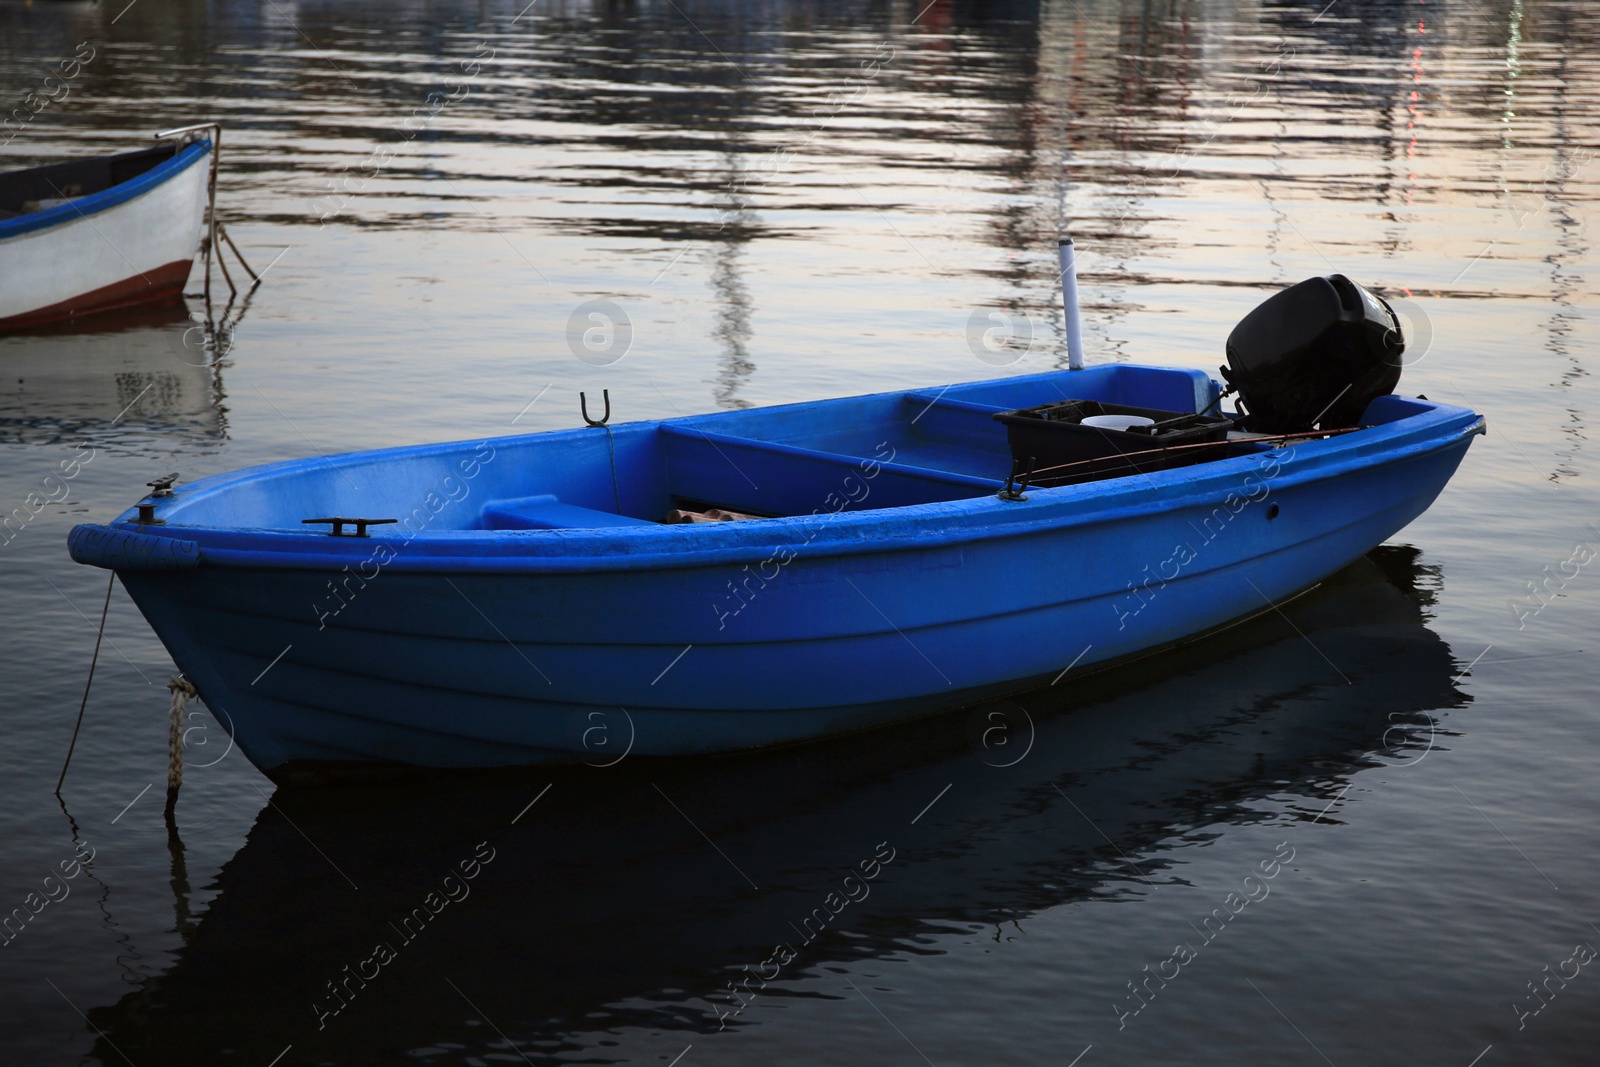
(94, 203)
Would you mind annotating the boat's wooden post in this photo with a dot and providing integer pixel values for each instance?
(1069, 304)
(215, 129)
(211, 212)
(255, 279)
(211, 219)
(222, 261)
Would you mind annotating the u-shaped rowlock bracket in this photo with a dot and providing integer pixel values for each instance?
(1012, 491)
(583, 406)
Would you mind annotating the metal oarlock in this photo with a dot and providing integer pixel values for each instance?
(611, 444)
(1015, 492)
(583, 406)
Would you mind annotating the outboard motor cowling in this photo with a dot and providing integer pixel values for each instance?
(1314, 355)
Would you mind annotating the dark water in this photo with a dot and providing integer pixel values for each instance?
(808, 200)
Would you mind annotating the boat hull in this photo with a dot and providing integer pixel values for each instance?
(131, 244)
(442, 666)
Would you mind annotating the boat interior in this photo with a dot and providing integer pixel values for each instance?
(853, 454)
(22, 192)
(867, 452)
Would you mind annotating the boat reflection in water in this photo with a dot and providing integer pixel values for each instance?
(601, 906)
(152, 368)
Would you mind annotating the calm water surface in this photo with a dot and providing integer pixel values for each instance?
(792, 201)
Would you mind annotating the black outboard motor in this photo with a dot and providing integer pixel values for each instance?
(1315, 354)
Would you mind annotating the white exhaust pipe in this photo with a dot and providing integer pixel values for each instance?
(1069, 304)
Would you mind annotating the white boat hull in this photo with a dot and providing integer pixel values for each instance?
(107, 250)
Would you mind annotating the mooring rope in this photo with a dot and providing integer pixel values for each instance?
(611, 449)
(183, 691)
(94, 659)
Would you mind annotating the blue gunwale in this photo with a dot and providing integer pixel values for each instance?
(1402, 429)
(105, 199)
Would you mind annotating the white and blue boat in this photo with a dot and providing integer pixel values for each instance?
(92, 235)
(850, 562)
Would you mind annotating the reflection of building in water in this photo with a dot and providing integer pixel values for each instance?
(732, 330)
(1555, 195)
(148, 371)
(1095, 127)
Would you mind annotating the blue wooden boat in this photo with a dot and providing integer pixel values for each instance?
(520, 600)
